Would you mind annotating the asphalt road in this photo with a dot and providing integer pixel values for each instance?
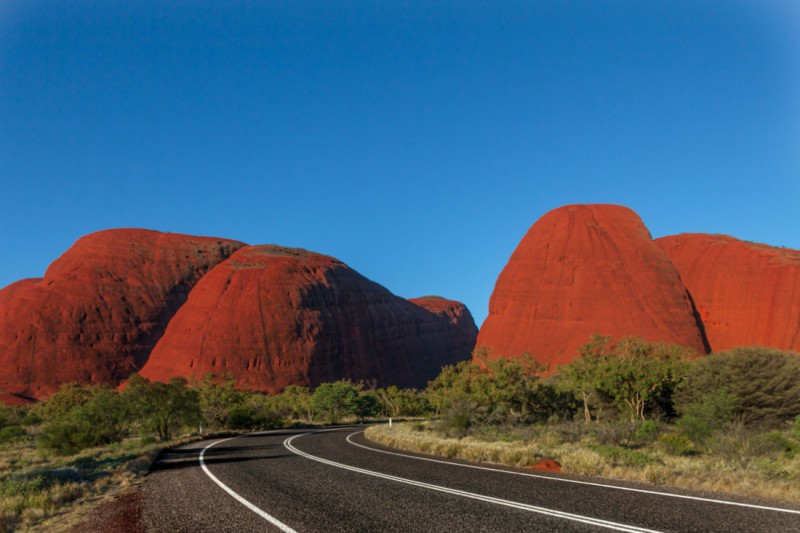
(336, 480)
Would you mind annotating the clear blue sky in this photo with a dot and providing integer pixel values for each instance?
(416, 141)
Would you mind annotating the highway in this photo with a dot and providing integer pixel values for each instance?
(336, 480)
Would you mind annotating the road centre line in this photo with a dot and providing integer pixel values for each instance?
(268, 517)
(471, 495)
(565, 480)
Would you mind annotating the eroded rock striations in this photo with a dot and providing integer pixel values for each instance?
(583, 270)
(745, 293)
(99, 309)
(271, 316)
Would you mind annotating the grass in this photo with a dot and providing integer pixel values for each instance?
(763, 466)
(41, 490)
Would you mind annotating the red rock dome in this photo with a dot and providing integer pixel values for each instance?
(99, 309)
(271, 316)
(583, 270)
(745, 293)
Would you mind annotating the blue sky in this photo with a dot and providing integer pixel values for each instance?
(416, 141)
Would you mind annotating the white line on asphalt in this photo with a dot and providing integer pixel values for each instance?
(565, 480)
(471, 495)
(269, 518)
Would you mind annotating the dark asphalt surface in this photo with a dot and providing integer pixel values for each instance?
(307, 495)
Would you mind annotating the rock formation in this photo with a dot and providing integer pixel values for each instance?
(271, 316)
(583, 270)
(745, 293)
(99, 309)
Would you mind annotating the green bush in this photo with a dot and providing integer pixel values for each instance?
(620, 456)
(12, 433)
(633, 376)
(104, 417)
(676, 444)
(707, 414)
(459, 418)
(335, 400)
(162, 408)
(763, 382)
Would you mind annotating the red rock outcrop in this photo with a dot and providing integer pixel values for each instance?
(745, 293)
(583, 270)
(271, 316)
(99, 309)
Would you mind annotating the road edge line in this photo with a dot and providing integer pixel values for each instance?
(565, 480)
(266, 516)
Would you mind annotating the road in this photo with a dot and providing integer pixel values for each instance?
(336, 480)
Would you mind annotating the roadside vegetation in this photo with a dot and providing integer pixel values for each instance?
(631, 410)
(85, 443)
(729, 422)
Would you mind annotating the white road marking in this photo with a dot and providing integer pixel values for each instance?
(269, 518)
(471, 495)
(565, 480)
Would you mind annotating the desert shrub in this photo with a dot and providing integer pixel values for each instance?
(12, 434)
(645, 431)
(620, 456)
(676, 444)
(67, 398)
(462, 415)
(105, 417)
(763, 382)
(707, 414)
(620, 432)
(741, 446)
(796, 428)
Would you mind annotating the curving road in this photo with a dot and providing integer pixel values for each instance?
(336, 480)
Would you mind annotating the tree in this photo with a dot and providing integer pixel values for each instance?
(367, 405)
(335, 400)
(398, 402)
(502, 389)
(68, 397)
(298, 400)
(102, 419)
(582, 375)
(162, 408)
(217, 399)
(637, 377)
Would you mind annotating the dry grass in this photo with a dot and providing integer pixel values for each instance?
(40, 490)
(762, 477)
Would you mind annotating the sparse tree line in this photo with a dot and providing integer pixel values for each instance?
(630, 385)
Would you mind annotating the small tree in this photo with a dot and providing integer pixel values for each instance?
(102, 419)
(367, 405)
(162, 408)
(335, 400)
(217, 399)
(298, 400)
(635, 376)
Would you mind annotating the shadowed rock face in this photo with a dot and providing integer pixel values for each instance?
(99, 309)
(583, 270)
(745, 293)
(272, 317)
